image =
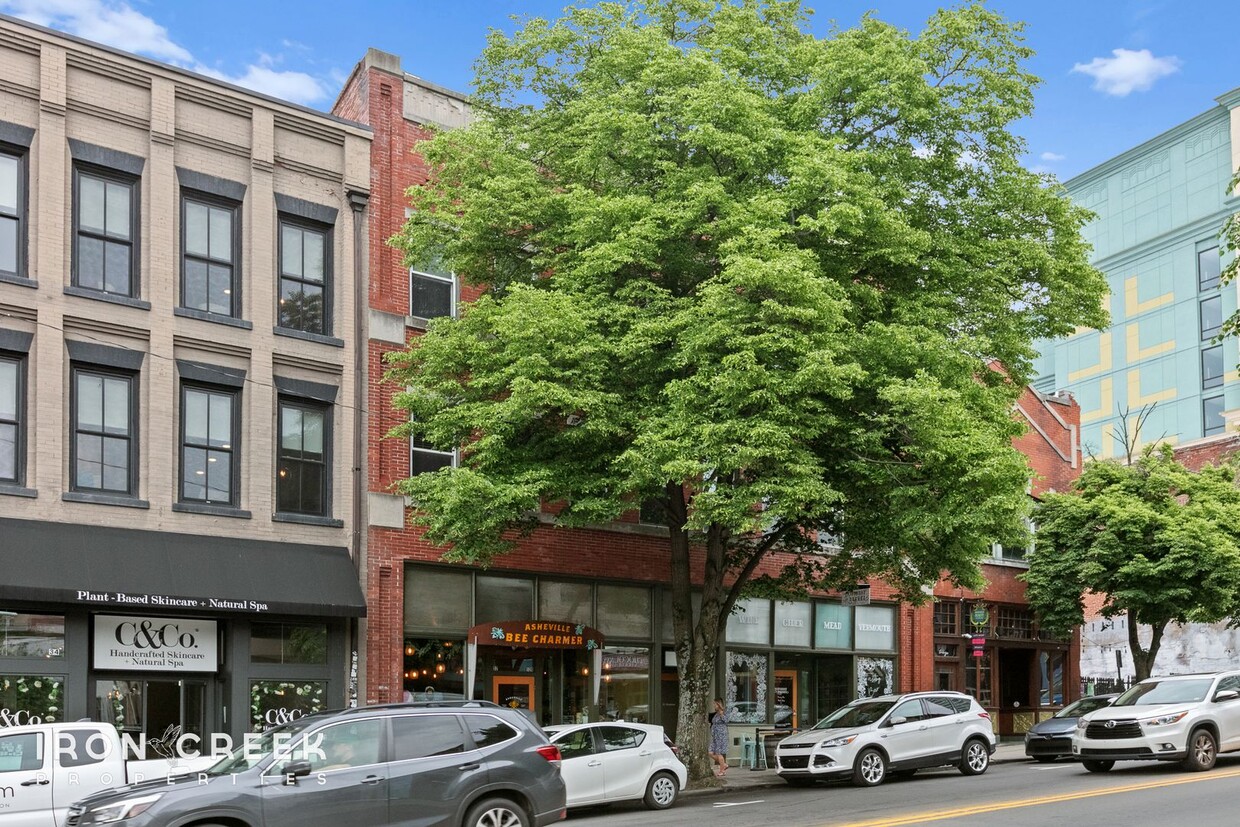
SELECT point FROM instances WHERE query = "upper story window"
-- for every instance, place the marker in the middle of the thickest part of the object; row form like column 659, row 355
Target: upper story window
column 12, row 211
column 305, row 276
column 209, row 434
column 424, row 458
column 12, row 381
column 1212, row 416
column 104, row 447
column 105, row 220
column 432, row 290
column 1211, row 317
column 1212, row 367
column 210, row 255
column 1208, row 269
column 946, row 618
column 303, row 459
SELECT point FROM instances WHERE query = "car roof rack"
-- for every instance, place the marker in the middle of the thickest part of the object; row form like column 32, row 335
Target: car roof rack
column 459, row 703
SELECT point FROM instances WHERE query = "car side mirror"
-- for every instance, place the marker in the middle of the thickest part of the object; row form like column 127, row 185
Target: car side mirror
column 896, row 721
column 294, row 770
column 1225, row 695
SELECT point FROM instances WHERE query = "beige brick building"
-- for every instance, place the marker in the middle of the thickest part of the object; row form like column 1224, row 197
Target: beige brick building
column 180, row 392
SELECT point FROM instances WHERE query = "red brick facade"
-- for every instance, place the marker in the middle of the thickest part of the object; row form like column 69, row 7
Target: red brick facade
column 380, row 95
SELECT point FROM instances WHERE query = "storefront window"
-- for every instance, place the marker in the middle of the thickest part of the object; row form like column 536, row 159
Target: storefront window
column 504, row 598
column 624, row 611
column 570, row 602
column 438, row 599
column 746, row 689
column 833, row 626
column 434, row 670
column 288, row 643
column 794, row 623
column 32, row 636
column 876, row 628
column 834, row 686
column 278, row 702
column 1050, row 666
column 624, row 690
column 750, row 622
column 977, row 679
column 875, row 676
column 31, row 699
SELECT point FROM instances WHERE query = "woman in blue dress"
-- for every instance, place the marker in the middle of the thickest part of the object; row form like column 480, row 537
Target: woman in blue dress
column 719, row 738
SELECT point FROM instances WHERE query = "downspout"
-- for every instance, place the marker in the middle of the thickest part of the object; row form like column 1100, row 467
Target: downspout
column 358, row 200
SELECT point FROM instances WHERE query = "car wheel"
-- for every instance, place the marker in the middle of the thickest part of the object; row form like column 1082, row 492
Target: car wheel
column 975, row 757
column 870, row 769
column 496, row 812
column 661, row 791
column 1202, row 751
column 1098, row 766
column 1044, row 759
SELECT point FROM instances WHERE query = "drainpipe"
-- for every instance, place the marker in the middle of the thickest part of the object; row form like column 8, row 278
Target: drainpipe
column 358, row 199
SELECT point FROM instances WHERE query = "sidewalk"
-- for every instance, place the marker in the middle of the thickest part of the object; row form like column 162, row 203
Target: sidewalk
column 743, row 778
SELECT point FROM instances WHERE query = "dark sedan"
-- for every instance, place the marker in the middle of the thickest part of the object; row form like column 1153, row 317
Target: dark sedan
column 1052, row 738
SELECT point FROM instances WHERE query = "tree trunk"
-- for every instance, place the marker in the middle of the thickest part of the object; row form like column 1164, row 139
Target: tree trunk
column 1143, row 659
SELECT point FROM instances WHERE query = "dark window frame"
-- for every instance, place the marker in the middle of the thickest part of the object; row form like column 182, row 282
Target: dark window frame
column 1206, row 428
column 1213, row 282
column 326, row 477
column 328, row 283
column 1209, row 333
column 19, row 422
column 234, row 451
column 1215, row 381
column 449, row 279
column 22, row 212
column 418, row 446
column 213, row 201
column 132, row 377
column 134, row 183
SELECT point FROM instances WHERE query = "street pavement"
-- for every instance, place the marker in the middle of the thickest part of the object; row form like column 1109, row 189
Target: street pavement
column 744, row 778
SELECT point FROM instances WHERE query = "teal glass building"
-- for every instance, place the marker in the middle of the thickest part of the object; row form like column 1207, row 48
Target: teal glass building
column 1159, row 209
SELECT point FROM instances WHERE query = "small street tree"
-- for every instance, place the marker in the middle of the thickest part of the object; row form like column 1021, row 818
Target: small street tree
column 748, row 276
column 1159, row 542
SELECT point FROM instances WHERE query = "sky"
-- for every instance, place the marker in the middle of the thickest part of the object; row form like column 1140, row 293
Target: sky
column 1115, row 72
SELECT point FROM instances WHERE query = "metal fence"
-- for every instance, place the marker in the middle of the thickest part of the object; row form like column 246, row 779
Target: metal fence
column 1103, row 686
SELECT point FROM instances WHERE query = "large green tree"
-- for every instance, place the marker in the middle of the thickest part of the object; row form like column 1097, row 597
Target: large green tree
column 1158, row 542
column 753, row 277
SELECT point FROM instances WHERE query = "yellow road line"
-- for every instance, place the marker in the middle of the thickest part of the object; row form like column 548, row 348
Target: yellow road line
column 980, row 809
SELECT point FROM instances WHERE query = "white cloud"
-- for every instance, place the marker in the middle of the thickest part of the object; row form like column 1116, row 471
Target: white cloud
column 115, row 23
column 1051, row 156
column 1127, row 71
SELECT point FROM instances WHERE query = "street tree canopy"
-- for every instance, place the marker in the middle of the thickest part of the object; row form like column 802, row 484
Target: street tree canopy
column 752, row 277
column 1157, row 541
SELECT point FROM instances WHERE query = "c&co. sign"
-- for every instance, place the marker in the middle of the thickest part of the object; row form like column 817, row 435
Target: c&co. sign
column 172, row 644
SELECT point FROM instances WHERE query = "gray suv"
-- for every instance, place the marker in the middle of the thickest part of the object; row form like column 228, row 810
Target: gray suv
column 470, row 764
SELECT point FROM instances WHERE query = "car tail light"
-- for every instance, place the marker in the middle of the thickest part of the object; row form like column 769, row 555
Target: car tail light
column 551, row 752
column 985, row 715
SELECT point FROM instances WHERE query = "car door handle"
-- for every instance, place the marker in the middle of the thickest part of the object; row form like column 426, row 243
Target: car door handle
column 371, row 780
column 645, row 754
column 923, row 728
column 595, row 763
column 475, row 765
column 35, row 781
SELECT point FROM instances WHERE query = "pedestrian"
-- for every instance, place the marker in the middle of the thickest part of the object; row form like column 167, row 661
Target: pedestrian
column 719, row 738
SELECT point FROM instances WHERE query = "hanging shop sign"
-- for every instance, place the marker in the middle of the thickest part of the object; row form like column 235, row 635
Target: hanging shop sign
column 536, row 634
column 165, row 644
column 978, row 644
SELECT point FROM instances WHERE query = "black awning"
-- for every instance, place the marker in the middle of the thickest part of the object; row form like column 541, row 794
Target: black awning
column 166, row 572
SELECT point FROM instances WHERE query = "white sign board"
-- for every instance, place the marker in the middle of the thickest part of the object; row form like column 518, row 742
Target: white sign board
column 166, row 644
column 856, row 597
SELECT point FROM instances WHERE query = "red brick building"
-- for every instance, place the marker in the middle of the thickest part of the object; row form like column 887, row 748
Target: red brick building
column 780, row 663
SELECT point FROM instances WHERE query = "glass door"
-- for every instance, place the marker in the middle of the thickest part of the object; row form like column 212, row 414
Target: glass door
column 513, row 691
column 154, row 711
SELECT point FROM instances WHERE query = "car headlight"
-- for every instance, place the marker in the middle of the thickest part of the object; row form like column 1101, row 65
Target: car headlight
column 1164, row 720
column 121, row 810
column 1081, row 723
column 837, row 742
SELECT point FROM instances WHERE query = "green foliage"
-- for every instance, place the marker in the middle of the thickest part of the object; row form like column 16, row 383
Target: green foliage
column 1160, row 542
column 752, row 273
column 1231, row 244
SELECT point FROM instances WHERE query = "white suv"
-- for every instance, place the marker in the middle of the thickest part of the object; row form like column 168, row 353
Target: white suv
column 1186, row 718
column 871, row 738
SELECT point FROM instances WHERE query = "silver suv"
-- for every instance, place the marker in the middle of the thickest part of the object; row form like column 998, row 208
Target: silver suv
column 1185, row 718
column 468, row 764
column 896, row 735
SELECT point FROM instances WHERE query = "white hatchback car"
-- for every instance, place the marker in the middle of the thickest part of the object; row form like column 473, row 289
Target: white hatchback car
column 618, row 761
column 896, row 735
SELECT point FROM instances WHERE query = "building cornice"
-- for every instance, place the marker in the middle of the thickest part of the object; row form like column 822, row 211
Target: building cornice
column 1112, row 165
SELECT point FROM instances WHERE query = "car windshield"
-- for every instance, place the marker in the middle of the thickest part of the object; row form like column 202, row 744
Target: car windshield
column 257, row 747
column 1149, row 693
column 854, row 715
column 1084, row 706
